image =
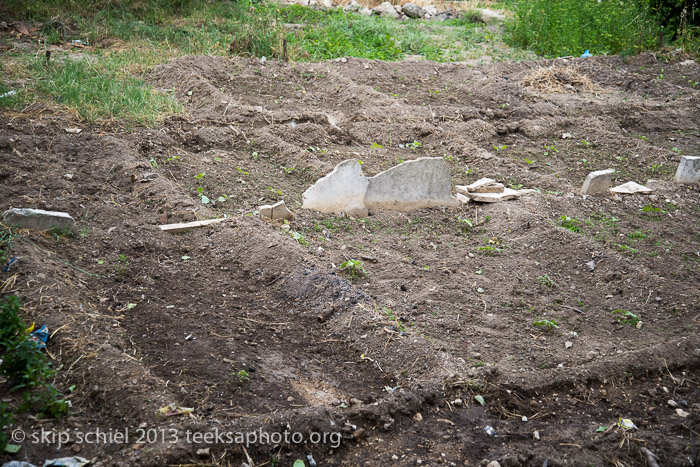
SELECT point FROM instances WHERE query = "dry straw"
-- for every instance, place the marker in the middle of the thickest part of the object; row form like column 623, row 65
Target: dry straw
column 560, row 79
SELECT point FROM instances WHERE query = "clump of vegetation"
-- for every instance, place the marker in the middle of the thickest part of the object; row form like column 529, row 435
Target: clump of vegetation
column 546, row 324
column 242, row 376
column 570, row 223
column 25, row 368
column 353, row 268
column 626, row 317
column 547, row 281
column 562, row 27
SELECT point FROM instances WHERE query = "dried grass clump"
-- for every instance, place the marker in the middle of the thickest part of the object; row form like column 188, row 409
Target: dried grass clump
column 561, row 79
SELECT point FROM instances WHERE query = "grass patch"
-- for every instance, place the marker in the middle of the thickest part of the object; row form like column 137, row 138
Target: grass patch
column 562, row 27
column 97, row 87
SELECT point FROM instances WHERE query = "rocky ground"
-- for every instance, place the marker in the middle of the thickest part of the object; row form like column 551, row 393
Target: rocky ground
column 411, row 359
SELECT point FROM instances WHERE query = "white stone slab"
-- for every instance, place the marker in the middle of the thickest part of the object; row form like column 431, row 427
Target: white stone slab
column 598, row 182
column 342, row 190
column 688, row 170
column 421, row 183
column 630, row 188
column 38, row 219
column 275, row 211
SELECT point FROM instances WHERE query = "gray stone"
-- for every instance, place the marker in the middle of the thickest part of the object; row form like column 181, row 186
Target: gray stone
column 490, row 16
column 326, row 3
column 275, row 211
column 385, row 9
column 365, row 11
column 352, row 6
column 598, row 182
column 413, row 11
column 421, row 183
column 430, row 11
column 38, row 219
column 342, row 190
column 688, row 170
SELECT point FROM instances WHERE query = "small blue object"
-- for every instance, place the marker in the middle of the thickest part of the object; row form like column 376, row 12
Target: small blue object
column 39, row 337
column 586, row 54
column 9, row 263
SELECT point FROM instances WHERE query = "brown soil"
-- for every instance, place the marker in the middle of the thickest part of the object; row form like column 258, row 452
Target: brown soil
column 446, row 310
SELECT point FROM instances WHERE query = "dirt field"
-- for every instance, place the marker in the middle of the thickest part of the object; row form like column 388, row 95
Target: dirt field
column 256, row 327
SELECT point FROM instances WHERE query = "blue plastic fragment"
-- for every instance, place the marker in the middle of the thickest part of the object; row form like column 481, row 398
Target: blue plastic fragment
column 586, row 54
column 39, row 337
column 9, row 263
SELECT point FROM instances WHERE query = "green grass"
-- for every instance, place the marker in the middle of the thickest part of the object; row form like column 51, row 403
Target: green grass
column 97, row 88
column 562, row 27
column 127, row 38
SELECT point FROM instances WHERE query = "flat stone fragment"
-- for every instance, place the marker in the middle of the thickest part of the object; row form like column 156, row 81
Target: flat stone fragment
column 342, row 190
column 630, row 188
column 38, row 219
column 416, row 184
column 496, row 197
column 175, row 228
column 462, row 198
column 484, row 185
column 275, row 211
column 598, row 182
column 688, row 170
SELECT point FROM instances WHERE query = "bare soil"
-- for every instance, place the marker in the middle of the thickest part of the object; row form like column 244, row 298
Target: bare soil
column 255, row 329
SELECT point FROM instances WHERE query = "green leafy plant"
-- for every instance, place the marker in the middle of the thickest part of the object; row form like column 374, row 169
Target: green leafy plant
column 353, row 268
column 547, row 281
column 626, row 317
column 546, row 324
column 299, row 238
column 25, row 367
column 570, row 223
column 242, row 376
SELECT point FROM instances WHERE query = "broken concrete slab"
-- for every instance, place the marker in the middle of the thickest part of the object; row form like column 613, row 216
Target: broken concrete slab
column 275, row 211
column 464, row 199
column 598, row 182
column 505, row 195
column 39, row 219
column 175, row 228
column 341, row 191
column 688, row 170
column 630, row 188
column 484, row 185
column 416, row 184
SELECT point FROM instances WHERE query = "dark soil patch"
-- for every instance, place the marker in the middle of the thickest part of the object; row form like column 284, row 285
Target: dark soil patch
column 256, row 329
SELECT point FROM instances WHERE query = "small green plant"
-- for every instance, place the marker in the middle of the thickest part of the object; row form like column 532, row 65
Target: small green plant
column 501, row 148
column 547, row 281
column 414, row 145
column 242, row 376
column 637, row 235
column 490, row 250
column 465, row 225
column 570, row 223
column 59, row 233
column 353, row 267
column 626, row 317
column 25, row 368
column 299, row 238
column 546, row 324
column 200, row 176
column 376, row 146
column 153, row 163
column 200, row 194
